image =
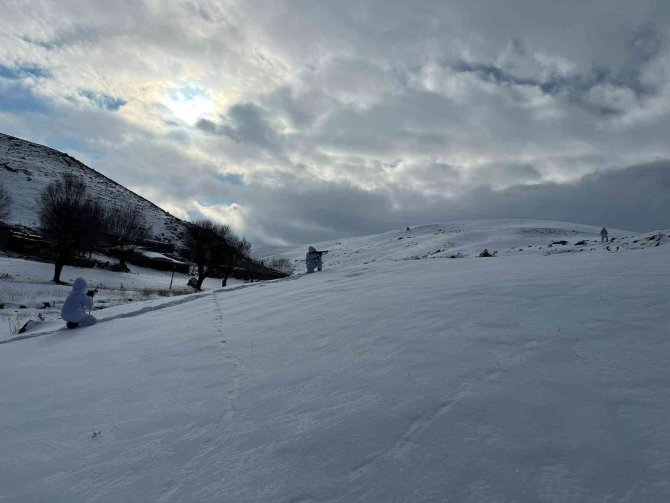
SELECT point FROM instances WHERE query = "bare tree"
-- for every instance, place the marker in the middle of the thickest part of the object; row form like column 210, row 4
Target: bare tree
column 94, row 223
column 282, row 265
column 125, row 226
column 5, row 203
column 244, row 247
column 238, row 248
column 65, row 213
column 208, row 247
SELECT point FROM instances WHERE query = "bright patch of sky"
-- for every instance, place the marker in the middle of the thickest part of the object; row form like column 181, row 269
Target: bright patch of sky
column 188, row 103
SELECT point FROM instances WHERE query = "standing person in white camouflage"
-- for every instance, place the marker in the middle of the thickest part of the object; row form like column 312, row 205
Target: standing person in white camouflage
column 313, row 259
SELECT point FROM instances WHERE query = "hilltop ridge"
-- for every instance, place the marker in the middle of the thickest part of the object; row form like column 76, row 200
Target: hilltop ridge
column 460, row 239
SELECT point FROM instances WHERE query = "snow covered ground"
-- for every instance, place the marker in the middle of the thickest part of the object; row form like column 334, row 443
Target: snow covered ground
column 26, row 292
column 453, row 239
column 525, row 377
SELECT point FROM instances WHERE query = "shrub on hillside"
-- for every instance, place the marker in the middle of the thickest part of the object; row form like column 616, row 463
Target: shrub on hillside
column 282, row 265
column 5, row 203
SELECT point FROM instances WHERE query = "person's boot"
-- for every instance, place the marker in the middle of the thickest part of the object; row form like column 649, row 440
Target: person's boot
column 71, row 324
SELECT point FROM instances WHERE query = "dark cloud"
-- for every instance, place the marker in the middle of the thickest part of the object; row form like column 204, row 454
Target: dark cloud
column 574, row 88
column 22, row 72
column 250, row 126
column 298, row 109
column 245, row 123
column 636, row 198
column 410, row 122
column 645, row 41
column 103, row 101
column 503, row 174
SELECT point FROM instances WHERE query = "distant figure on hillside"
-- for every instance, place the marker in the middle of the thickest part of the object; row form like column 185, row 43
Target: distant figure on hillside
column 77, row 307
column 603, row 235
column 313, row 259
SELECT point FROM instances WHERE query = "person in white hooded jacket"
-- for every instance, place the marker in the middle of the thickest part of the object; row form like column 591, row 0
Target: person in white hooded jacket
column 313, row 260
column 77, row 307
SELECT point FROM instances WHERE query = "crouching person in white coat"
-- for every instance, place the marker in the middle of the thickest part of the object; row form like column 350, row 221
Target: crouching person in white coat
column 77, row 306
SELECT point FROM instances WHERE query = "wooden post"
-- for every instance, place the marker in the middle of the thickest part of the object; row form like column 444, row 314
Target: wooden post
column 172, row 278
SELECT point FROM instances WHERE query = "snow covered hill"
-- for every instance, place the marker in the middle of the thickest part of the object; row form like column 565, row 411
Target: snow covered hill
column 525, row 377
column 26, row 168
column 457, row 240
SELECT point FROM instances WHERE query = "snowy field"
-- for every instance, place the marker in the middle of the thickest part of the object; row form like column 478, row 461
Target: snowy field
column 528, row 377
column 26, row 292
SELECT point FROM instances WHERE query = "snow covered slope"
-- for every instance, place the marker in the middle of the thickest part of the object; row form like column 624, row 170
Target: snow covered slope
column 454, row 239
column 526, row 377
column 26, row 292
column 26, row 168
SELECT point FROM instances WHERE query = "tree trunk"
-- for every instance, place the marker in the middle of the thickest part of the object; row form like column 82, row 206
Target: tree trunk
column 202, row 274
column 58, row 268
column 227, row 272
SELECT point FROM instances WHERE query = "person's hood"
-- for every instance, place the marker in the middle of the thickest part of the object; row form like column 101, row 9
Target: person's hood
column 79, row 284
column 312, row 249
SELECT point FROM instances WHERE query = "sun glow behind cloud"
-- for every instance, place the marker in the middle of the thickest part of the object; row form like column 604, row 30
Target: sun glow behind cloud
column 188, row 102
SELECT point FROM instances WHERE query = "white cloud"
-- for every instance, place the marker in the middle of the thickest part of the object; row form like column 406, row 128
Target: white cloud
column 417, row 103
column 232, row 214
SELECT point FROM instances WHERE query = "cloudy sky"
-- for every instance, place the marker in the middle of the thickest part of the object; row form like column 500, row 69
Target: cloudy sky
column 298, row 121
